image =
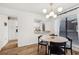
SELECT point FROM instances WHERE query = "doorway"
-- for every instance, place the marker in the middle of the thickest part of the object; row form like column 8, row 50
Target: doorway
column 12, row 28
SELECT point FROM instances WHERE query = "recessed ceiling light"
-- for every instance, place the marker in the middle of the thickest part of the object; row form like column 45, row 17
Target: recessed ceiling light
column 60, row 9
column 44, row 10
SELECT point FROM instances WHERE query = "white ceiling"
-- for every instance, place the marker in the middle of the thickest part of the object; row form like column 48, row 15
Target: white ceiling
column 37, row 7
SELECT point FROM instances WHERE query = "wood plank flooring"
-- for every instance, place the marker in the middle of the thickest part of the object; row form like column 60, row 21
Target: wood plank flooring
column 11, row 44
column 28, row 50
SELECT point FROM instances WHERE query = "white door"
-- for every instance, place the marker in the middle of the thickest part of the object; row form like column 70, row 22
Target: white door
column 12, row 29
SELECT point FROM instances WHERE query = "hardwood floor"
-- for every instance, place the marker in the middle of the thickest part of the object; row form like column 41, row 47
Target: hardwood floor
column 27, row 50
column 11, row 44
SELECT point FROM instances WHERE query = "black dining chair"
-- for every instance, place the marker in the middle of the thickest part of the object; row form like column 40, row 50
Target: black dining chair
column 55, row 48
column 69, row 45
column 42, row 43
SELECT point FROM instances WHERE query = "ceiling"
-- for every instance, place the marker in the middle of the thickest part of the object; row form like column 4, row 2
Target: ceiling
column 37, row 7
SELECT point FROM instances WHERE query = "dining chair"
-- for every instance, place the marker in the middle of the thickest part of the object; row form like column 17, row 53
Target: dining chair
column 55, row 48
column 69, row 45
column 42, row 43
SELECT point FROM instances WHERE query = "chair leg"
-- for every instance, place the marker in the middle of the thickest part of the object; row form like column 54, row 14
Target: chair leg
column 48, row 50
column 65, row 49
column 45, row 49
column 41, row 46
column 64, row 52
column 38, row 49
column 71, row 51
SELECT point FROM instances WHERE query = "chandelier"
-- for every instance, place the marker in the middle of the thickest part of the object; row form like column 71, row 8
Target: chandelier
column 52, row 12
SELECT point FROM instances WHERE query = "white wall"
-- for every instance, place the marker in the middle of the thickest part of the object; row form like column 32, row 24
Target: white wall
column 57, row 26
column 26, row 33
column 49, row 25
column 25, row 22
column 3, row 31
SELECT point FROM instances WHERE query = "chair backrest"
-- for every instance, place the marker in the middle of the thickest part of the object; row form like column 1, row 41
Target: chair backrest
column 70, row 41
column 69, row 38
column 39, row 37
column 58, row 44
column 58, row 47
column 52, row 35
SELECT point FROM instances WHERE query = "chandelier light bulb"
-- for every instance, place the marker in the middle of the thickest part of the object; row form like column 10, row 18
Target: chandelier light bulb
column 44, row 10
column 60, row 9
column 47, row 16
column 55, row 16
column 51, row 13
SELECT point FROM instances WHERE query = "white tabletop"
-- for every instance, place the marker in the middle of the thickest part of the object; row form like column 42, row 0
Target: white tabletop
column 58, row 39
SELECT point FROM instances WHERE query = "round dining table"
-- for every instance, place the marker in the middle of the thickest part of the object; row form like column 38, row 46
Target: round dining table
column 55, row 39
column 49, row 38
